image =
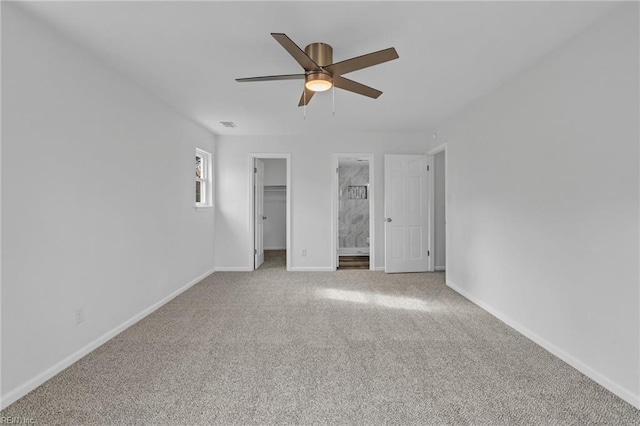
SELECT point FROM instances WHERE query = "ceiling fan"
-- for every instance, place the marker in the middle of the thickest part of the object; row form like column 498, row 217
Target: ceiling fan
column 320, row 73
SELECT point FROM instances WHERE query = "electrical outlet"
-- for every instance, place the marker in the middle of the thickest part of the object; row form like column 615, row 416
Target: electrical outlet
column 78, row 315
column 304, row 252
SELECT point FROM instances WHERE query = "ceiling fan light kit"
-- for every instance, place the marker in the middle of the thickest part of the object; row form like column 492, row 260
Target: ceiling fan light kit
column 321, row 73
column 318, row 82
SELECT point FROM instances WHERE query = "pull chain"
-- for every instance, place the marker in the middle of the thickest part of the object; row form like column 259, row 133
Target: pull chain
column 333, row 95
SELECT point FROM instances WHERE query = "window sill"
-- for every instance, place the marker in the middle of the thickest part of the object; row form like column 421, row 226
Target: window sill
column 203, row 208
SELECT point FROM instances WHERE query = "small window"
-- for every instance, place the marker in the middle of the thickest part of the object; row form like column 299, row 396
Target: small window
column 204, row 197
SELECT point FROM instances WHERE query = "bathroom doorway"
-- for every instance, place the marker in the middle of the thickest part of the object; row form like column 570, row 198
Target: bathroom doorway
column 353, row 212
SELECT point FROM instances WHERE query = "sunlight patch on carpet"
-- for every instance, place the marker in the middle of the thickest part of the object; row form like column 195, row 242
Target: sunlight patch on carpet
column 395, row 302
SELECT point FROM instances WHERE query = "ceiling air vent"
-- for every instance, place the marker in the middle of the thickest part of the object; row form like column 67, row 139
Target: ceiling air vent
column 228, row 124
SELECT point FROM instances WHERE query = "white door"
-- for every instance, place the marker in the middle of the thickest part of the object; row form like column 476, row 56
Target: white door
column 406, row 213
column 258, row 197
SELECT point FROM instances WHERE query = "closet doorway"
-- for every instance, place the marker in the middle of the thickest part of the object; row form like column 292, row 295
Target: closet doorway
column 353, row 212
column 270, row 203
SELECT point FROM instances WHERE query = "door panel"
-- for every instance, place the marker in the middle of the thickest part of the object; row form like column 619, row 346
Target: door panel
column 415, row 243
column 397, row 238
column 258, row 194
column 406, row 214
column 397, row 194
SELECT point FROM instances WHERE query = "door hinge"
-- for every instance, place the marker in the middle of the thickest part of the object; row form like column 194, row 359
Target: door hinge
column 255, row 170
column 255, row 251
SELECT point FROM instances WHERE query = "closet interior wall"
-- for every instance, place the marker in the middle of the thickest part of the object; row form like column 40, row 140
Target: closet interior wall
column 275, row 203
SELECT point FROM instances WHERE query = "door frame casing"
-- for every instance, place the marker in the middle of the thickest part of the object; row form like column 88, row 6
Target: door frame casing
column 336, row 157
column 258, row 212
column 251, row 222
column 432, row 222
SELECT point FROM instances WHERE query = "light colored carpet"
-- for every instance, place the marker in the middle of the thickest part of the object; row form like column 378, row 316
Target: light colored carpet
column 346, row 347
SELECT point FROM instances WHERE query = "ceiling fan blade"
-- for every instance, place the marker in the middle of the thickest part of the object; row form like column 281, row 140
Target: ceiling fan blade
column 305, row 97
column 273, row 78
column 355, row 87
column 363, row 61
column 298, row 54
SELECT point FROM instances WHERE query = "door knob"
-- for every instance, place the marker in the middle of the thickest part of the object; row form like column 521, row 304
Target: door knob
column 388, row 219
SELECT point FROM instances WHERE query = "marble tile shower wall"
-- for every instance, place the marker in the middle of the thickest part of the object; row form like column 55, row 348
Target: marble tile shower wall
column 353, row 226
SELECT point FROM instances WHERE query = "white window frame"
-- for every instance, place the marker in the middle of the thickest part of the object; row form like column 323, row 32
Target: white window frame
column 206, row 180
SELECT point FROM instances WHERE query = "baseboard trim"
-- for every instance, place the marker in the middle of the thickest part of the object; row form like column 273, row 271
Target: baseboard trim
column 20, row 391
column 311, row 269
column 233, row 269
column 610, row 385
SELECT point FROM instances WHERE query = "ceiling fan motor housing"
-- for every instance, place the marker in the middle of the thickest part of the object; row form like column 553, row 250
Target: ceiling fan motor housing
column 322, row 54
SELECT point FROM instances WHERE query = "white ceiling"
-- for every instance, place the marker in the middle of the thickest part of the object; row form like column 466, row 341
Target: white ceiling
column 189, row 53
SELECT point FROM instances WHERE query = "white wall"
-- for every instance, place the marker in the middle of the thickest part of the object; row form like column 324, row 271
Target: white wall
column 543, row 191
column 312, row 174
column 439, row 210
column 275, row 171
column 97, row 202
column 275, row 204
